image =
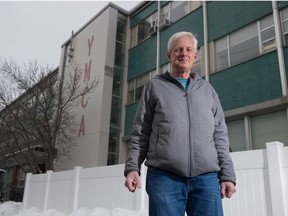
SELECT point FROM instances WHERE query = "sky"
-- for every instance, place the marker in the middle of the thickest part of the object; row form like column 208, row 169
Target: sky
column 15, row 209
column 32, row 30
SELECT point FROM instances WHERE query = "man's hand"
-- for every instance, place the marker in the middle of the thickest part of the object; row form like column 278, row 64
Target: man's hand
column 133, row 181
column 227, row 189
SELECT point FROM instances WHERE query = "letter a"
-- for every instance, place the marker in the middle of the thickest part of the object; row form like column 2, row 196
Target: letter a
column 82, row 127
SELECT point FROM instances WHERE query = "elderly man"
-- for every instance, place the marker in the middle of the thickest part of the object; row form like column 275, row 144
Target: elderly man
column 180, row 130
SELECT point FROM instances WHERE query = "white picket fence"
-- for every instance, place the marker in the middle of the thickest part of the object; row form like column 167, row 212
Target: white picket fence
column 262, row 186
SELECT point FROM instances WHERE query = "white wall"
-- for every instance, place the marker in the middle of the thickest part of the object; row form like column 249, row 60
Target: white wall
column 93, row 46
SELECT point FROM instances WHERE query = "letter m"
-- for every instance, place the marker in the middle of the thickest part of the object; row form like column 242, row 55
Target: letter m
column 87, row 71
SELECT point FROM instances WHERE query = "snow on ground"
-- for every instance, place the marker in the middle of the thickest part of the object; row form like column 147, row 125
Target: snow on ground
column 15, row 209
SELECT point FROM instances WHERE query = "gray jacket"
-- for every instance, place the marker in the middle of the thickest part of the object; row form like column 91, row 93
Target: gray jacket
column 180, row 131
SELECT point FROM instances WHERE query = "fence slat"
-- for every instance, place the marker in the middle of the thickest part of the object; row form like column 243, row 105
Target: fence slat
column 276, row 178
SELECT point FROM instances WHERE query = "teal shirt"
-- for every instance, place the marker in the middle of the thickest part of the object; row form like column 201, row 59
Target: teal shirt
column 184, row 82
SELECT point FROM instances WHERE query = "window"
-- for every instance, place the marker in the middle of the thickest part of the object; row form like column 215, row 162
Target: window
column 121, row 31
column 236, row 133
column 221, row 49
column 131, row 92
column 193, row 5
column 164, row 68
column 171, row 12
column 197, row 64
column 284, row 22
column 134, row 36
column 262, row 128
column 140, row 82
column 135, row 87
column 268, row 128
column 119, row 54
column 178, row 10
column 143, row 28
column 267, row 34
column 113, row 149
column 165, row 12
column 245, row 43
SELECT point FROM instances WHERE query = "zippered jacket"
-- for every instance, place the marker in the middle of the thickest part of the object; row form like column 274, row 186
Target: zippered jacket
column 180, row 131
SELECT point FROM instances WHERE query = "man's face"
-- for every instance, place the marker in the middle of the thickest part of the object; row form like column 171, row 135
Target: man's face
column 182, row 55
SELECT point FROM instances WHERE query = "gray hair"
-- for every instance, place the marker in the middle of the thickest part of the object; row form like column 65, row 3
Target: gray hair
column 178, row 35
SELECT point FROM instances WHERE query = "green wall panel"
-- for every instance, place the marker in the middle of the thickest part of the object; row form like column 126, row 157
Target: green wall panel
column 129, row 118
column 248, row 83
column 143, row 14
column 142, row 58
column 282, row 4
column 225, row 17
column 193, row 22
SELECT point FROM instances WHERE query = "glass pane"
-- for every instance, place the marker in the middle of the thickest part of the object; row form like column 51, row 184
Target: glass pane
column 113, row 148
column 268, row 33
column 286, row 39
column 140, row 82
column 194, row 5
column 269, row 46
column 221, row 54
column 121, row 28
column 197, row 65
column 130, row 96
column 244, row 45
column 115, row 111
column 164, row 68
column 284, row 13
column 266, row 22
column 285, row 26
column 236, row 133
column 119, row 54
column 134, row 36
column 268, row 128
column 153, row 73
column 143, row 30
column 178, row 10
column 165, row 12
column 117, row 81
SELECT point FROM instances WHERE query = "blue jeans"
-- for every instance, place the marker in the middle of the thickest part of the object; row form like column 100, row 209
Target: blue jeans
column 172, row 195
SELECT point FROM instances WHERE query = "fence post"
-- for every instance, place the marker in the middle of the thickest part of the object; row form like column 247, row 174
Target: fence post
column 48, row 173
column 26, row 190
column 275, row 171
column 143, row 195
column 75, row 188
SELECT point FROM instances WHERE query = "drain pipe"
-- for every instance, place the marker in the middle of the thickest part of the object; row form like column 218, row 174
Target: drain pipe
column 279, row 48
column 206, row 56
column 158, row 40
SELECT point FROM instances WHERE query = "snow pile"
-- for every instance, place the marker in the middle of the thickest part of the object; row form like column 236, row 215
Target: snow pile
column 15, row 209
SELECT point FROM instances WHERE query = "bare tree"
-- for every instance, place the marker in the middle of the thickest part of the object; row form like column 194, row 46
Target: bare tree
column 37, row 111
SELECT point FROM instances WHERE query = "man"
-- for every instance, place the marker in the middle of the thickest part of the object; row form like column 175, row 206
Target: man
column 180, row 130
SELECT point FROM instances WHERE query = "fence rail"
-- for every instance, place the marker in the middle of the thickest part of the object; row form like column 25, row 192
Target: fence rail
column 262, row 177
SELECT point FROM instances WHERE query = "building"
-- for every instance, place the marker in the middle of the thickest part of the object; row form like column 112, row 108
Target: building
column 242, row 52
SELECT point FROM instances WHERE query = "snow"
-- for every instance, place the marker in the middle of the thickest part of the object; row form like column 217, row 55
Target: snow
column 15, row 209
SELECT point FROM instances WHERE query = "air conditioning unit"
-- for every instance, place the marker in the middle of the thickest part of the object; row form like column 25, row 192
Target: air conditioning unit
column 152, row 30
column 164, row 23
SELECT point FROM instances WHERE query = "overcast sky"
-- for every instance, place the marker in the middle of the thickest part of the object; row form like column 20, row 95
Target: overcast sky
column 36, row 29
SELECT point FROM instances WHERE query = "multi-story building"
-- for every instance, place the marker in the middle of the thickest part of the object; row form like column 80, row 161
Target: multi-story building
column 242, row 52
